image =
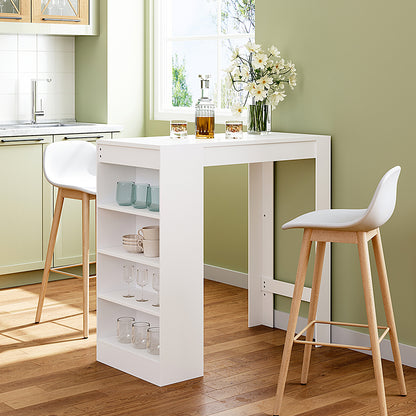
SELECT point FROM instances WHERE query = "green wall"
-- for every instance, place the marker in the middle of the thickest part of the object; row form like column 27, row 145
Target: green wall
column 355, row 61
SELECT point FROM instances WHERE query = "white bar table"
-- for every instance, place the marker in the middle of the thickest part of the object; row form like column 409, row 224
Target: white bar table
column 177, row 167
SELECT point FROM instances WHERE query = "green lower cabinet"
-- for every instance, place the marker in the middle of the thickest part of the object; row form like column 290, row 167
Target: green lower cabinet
column 22, row 199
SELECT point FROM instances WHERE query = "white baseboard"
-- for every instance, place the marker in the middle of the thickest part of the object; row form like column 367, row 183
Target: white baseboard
column 229, row 277
column 348, row 336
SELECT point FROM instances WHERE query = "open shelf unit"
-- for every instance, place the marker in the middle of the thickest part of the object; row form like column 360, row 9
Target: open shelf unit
column 180, row 315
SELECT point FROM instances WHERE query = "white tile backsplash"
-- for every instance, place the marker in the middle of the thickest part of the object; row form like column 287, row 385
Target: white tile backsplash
column 27, row 57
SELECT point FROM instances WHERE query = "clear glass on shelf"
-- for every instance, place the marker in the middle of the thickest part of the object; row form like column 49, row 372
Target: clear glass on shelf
column 128, row 277
column 142, row 278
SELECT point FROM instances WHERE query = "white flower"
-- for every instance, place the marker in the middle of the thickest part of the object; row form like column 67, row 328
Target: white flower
column 251, row 86
column 290, row 65
column 228, row 83
column 252, row 47
column 274, row 51
column 235, row 54
column 259, row 93
column 244, row 73
column 277, row 66
column 281, row 85
column 292, row 81
column 276, row 97
column 237, row 110
column 259, row 61
column 266, row 81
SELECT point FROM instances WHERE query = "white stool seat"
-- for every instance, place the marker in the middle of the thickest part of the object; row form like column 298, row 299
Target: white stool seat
column 378, row 212
column 333, row 219
column 71, row 165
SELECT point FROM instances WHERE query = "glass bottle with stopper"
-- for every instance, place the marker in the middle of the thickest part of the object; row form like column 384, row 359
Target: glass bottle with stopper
column 204, row 112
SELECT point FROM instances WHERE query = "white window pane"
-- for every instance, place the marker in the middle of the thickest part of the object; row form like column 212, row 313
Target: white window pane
column 196, row 57
column 237, row 16
column 193, row 17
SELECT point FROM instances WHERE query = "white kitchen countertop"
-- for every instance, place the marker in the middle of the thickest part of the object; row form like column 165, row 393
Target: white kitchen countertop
column 7, row 130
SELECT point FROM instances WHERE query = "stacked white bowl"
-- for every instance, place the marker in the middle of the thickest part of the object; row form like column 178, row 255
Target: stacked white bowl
column 130, row 243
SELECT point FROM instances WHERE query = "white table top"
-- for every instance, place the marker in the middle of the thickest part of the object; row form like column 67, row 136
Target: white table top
column 158, row 142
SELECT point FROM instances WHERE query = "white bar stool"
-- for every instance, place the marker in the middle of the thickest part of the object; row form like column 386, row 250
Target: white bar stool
column 356, row 226
column 71, row 167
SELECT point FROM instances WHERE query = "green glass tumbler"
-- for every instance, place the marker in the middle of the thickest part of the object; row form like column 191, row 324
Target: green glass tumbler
column 154, row 199
column 126, row 193
column 141, row 191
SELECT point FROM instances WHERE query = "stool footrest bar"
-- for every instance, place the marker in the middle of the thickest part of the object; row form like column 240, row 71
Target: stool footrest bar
column 330, row 344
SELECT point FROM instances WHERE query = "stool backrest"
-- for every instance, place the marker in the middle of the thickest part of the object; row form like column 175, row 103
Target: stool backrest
column 70, row 159
column 382, row 205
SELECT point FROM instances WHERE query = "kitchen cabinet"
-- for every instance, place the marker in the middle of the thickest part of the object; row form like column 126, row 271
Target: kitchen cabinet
column 60, row 11
column 14, row 10
column 68, row 242
column 52, row 17
column 24, row 192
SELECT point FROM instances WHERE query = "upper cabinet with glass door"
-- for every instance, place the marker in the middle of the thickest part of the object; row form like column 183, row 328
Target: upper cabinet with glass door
column 60, row 11
column 14, row 10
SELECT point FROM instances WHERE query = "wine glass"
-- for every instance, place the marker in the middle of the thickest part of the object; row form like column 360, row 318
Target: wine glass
column 61, row 5
column 156, row 287
column 128, row 271
column 142, row 278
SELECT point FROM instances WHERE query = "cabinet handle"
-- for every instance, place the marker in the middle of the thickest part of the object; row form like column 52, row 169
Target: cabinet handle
column 21, row 140
column 83, row 137
column 57, row 19
column 11, row 17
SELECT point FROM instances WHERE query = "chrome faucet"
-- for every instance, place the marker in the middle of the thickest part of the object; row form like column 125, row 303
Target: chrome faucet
column 35, row 112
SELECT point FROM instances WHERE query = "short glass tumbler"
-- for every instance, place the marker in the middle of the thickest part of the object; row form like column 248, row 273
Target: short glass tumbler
column 125, row 194
column 140, row 334
column 154, row 198
column 178, row 129
column 124, row 329
column 153, row 342
column 140, row 200
column 233, row 129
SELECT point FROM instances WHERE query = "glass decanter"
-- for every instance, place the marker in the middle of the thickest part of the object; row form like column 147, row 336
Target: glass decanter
column 204, row 112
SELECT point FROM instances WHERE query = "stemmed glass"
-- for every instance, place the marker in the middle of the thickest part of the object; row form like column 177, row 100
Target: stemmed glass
column 156, row 287
column 61, row 7
column 142, row 278
column 128, row 277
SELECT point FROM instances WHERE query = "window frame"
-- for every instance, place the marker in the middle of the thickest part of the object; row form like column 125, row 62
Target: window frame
column 160, row 91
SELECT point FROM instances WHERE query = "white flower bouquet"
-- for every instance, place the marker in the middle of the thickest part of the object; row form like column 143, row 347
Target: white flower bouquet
column 260, row 75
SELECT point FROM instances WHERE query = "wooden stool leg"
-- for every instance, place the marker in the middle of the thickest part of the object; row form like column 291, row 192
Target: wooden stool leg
column 372, row 320
column 49, row 253
column 388, row 308
column 85, row 262
column 293, row 317
column 313, row 306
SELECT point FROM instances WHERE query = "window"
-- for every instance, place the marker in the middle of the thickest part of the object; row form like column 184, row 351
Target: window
column 195, row 37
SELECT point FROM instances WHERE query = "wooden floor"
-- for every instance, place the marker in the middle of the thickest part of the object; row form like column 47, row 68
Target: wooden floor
column 48, row 370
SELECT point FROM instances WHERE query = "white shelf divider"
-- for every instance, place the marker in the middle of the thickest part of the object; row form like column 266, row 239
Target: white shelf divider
column 146, row 307
column 128, row 210
column 120, row 253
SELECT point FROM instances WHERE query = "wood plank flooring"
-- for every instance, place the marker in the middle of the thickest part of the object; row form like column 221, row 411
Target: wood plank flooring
column 49, row 370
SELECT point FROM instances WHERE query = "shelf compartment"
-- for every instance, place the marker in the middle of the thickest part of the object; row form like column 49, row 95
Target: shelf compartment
column 125, row 357
column 128, row 210
column 120, row 253
column 146, row 307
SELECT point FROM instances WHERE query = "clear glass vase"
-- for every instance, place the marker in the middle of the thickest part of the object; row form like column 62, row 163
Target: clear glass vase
column 259, row 118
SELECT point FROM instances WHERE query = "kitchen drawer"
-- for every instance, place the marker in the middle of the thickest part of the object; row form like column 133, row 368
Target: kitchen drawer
column 89, row 137
column 24, row 140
